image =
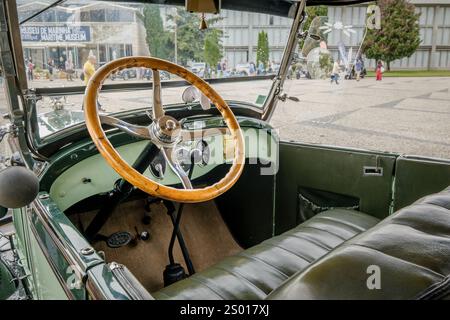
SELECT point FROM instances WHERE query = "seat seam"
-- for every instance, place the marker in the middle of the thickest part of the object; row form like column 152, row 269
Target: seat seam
column 360, row 229
column 397, row 258
column 240, row 276
column 321, row 245
column 418, row 230
column 427, row 204
column 355, row 213
column 205, row 283
column 334, row 234
column 290, row 251
column 262, row 261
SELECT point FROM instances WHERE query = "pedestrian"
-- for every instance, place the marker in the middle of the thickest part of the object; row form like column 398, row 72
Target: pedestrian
column 30, row 68
column 88, row 71
column 252, row 69
column 261, row 68
column 379, row 71
column 89, row 68
column 335, row 72
column 219, row 69
column 358, row 69
column 50, row 66
column 69, row 70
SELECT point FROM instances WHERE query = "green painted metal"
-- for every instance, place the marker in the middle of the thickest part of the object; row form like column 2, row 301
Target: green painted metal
column 7, row 286
column 106, row 283
column 331, row 169
column 42, row 281
column 416, row 177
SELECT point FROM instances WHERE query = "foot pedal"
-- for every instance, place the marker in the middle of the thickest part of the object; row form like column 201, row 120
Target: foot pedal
column 119, row 239
column 173, row 273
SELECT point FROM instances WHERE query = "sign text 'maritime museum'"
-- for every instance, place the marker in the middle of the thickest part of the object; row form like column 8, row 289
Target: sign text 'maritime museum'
column 56, row 33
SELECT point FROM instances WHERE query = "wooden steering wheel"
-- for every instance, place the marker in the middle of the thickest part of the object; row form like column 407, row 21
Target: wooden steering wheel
column 164, row 131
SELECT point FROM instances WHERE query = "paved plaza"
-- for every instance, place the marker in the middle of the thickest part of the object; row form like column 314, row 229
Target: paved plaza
column 404, row 115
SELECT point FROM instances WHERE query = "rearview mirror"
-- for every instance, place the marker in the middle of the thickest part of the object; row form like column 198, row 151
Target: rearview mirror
column 19, row 186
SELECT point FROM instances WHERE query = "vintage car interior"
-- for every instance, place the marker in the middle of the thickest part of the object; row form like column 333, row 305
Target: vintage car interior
column 178, row 203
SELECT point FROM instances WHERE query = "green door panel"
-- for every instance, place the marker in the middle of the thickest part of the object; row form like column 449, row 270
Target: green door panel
column 56, row 254
column 416, row 177
column 331, row 169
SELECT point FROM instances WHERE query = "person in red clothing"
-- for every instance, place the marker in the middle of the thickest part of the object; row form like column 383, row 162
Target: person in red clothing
column 379, row 71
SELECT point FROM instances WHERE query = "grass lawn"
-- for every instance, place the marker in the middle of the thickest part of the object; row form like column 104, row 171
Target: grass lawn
column 413, row 73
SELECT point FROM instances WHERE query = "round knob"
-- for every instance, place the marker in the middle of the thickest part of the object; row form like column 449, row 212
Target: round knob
column 145, row 235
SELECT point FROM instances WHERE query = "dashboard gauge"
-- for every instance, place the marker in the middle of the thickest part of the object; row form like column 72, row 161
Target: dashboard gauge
column 205, row 151
column 183, row 158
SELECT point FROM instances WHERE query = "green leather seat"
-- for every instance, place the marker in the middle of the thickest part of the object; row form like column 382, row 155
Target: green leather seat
column 410, row 249
column 257, row 271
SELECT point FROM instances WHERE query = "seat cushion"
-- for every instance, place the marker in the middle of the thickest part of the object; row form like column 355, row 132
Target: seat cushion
column 405, row 256
column 257, row 271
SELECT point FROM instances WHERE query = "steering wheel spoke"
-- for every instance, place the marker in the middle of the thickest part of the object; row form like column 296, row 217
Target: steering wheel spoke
column 157, row 109
column 171, row 159
column 131, row 129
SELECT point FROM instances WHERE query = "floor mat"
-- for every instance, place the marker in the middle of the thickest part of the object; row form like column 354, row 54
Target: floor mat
column 205, row 233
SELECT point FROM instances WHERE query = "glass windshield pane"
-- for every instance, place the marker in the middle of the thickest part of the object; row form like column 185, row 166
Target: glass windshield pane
column 63, row 46
column 350, row 98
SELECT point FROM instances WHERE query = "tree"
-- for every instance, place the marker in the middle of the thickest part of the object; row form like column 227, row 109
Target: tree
column 213, row 47
column 189, row 37
column 262, row 52
column 399, row 34
column 157, row 38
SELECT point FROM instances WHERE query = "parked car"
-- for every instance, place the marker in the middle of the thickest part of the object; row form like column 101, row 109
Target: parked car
column 243, row 69
column 126, row 74
column 199, row 69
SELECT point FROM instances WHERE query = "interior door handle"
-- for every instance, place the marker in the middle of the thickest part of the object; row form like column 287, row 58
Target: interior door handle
column 372, row 171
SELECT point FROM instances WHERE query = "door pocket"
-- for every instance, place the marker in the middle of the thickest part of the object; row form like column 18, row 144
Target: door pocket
column 313, row 201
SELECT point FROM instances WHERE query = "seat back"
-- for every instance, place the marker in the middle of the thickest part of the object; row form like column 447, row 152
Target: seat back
column 416, row 177
column 405, row 256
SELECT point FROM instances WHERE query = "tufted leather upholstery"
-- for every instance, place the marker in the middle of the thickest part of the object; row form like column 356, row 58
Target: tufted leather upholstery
column 411, row 249
column 255, row 272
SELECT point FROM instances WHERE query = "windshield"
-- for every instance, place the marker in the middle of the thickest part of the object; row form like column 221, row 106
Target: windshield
column 63, row 45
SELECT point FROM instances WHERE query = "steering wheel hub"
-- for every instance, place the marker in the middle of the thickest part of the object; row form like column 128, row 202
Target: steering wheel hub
column 167, row 129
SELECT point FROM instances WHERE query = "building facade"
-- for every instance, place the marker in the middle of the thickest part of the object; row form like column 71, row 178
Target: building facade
column 75, row 31
column 240, row 34
column 434, row 50
column 241, row 29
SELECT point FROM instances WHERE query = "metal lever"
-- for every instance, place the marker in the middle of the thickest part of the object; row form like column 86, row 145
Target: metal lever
column 284, row 97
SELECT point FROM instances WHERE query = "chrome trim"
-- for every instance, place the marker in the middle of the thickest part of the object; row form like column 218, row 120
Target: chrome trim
column 277, row 86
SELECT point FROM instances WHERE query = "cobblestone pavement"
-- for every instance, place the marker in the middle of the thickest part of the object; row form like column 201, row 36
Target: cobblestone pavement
column 405, row 115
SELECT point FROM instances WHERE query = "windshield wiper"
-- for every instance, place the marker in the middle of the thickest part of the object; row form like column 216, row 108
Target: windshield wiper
column 54, row 4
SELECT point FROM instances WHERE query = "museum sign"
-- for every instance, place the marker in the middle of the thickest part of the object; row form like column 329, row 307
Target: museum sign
column 56, row 33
